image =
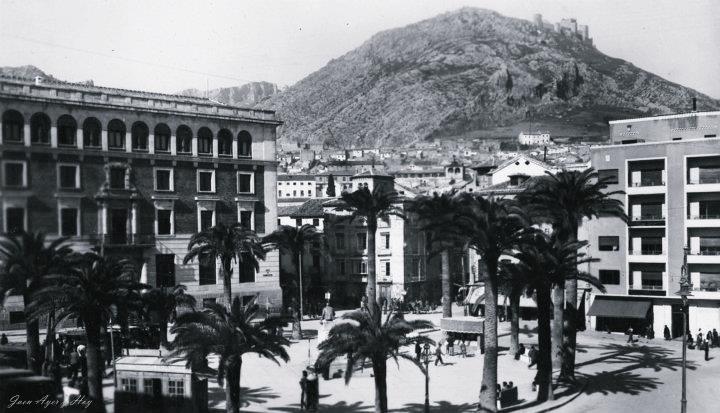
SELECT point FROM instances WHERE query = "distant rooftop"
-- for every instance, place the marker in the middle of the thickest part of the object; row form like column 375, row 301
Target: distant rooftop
column 312, row 208
column 295, row 177
column 88, row 93
column 663, row 117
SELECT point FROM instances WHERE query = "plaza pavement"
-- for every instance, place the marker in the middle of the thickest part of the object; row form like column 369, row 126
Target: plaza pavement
column 616, row 376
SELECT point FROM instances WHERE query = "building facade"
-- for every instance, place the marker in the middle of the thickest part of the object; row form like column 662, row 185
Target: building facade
column 672, row 199
column 138, row 173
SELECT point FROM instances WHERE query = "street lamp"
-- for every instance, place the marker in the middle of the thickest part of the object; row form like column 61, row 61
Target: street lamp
column 426, row 360
column 684, row 293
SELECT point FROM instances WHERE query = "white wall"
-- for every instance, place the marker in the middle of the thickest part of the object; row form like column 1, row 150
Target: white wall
column 521, row 166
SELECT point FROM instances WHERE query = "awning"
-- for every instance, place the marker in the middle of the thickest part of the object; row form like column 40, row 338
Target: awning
column 612, row 307
column 473, row 325
column 475, row 294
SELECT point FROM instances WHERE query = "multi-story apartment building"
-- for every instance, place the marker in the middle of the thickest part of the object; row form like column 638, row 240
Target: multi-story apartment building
column 138, row 173
column 297, row 186
column 669, row 170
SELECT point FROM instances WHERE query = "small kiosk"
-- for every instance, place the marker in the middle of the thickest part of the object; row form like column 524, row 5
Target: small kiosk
column 465, row 328
column 147, row 382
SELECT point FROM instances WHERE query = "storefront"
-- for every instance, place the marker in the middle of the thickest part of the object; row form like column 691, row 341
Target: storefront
column 618, row 314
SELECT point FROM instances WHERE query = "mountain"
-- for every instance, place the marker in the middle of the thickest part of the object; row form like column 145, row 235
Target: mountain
column 28, row 71
column 471, row 73
column 248, row 94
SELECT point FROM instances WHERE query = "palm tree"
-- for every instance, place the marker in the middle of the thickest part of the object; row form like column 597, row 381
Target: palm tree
column 381, row 203
column 359, row 338
column 565, row 199
column 513, row 286
column 27, row 259
column 492, row 228
column 544, row 261
column 227, row 244
column 91, row 292
column 434, row 213
column 294, row 241
column 164, row 302
column 229, row 333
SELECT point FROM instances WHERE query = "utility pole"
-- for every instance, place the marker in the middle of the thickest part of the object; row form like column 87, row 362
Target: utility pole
column 684, row 293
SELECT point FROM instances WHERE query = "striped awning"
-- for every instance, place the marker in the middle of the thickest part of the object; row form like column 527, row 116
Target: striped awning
column 617, row 308
column 473, row 325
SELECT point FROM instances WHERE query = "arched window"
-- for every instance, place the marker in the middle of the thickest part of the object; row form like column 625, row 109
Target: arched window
column 40, row 128
column 162, row 138
column 244, row 144
column 116, row 134
column 92, row 132
column 139, row 133
column 13, row 125
column 183, row 136
column 225, row 139
column 66, row 130
column 205, row 138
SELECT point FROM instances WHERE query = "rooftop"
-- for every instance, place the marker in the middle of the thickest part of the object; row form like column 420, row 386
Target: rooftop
column 312, row 208
column 20, row 87
column 295, row 177
column 665, row 117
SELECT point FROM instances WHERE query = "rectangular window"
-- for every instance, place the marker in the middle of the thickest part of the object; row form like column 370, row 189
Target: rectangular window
column 68, row 177
column 343, row 269
column 361, row 240
column 206, row 219
column 14, row 220
column 14, row 174
column 609, row 277
column 206, row 181
column 387, row 268
column 362, row 267
column 246, row 271
column 246, row 219
column 117, row 178
column 129, row 385
column 164, row 180
column 165, row 270
column 116, row 139
column 68, row 222
column 340, row 240
column 316, row 222
column 609, row 175
column 245, row 183
column 298, row 222
column 204, row 145
column 164, row 222
column 176, row 387
column 386, row 240
column 207, row 271
column 608, row 243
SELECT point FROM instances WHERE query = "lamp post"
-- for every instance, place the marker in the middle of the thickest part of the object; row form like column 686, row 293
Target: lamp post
column 684, row 293
column 426, row 361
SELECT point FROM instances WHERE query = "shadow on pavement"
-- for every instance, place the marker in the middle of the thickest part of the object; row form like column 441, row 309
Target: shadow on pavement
column 441, row 406
column 619, row 382
column 638, row 357
column 339, row 407
column 248, row 396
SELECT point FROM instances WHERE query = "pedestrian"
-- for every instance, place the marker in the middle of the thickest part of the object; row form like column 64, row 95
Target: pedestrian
column 463, row 349
column 716, row 338
column 313, row 392
column 520, row 351
column 630, row 334
column 699, row 336
column 666, row 333
column 707, row 350
column 418, row 350
column 532, row 354
column 328, row 313
column 438, row 356
column 82, row 361
column 709, row 337
column 303, row 390
column 451, row 346
column 3, row 339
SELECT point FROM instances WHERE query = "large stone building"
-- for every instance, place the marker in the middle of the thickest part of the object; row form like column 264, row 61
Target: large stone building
column 138, row 173
column 669, row 169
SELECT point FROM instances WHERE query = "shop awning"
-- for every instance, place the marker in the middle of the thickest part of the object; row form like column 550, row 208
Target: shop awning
column 473, row 325
column 474, row 295
column 616, row 308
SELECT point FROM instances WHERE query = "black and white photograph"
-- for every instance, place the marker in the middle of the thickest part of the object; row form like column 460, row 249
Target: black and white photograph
column 355, row 206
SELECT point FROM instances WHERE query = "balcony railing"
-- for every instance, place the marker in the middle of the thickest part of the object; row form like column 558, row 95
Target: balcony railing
column 647, row 251
column 706, row 251
column 123, row 239
column 648, row 290
column 649, row 181
column 704, row 216
column 648, row 217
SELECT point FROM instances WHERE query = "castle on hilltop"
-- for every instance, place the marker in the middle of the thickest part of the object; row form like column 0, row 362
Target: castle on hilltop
column 568, row 27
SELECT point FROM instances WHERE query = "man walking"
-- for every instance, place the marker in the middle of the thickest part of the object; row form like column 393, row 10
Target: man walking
column 438, row 356
column 532, row 354
column 303, row 390
column 418, row 350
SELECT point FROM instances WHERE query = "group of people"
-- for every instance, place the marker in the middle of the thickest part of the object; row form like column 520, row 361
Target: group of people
column 449, row 348
column 309, row 391
column 704, row 341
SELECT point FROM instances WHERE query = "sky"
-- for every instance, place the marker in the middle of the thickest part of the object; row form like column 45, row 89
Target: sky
column 167, row 46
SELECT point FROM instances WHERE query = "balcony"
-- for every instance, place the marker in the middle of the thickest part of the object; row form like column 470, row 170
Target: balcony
column 703, row 174
column 704, row 250
column 123, row 240
column 653, row 290
column 646, row 182
column 650, row 219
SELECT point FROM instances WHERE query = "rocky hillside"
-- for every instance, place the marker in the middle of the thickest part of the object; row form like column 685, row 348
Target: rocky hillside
column 248, row 94
column 28, row 71
column 474, row 73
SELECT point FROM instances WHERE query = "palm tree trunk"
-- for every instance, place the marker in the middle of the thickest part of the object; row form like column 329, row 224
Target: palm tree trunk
column 488, row 395
column 371, row 289
column 380, row 373
column 558, row 300
column 227, row 280
column 544, row 362
column 447, row 303
column 297, row 326
column 32, row 334
column 567, row 370
column 514, row 323
column 49, row 343
column 94, row 364
column 232, row 386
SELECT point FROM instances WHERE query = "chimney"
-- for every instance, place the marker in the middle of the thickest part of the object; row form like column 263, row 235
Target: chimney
column 694, row 104
column 38, row 80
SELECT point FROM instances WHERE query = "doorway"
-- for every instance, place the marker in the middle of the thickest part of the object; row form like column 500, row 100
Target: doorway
column 118, row 226
column 677, row 321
